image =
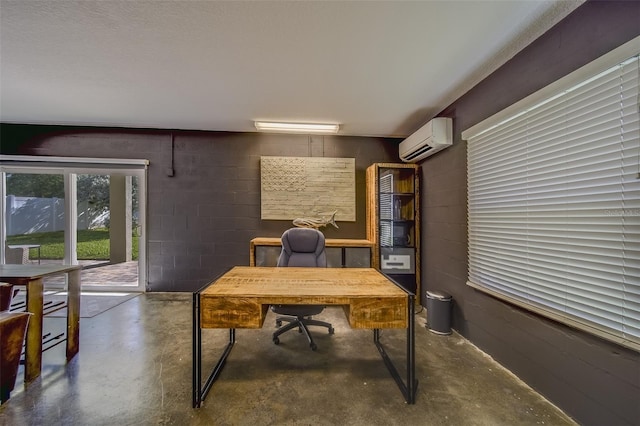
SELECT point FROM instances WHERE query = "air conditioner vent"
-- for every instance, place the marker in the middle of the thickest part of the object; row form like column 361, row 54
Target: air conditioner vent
column 418, row 153
column 434, row 136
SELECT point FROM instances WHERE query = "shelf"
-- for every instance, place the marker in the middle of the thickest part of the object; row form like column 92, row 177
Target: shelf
column 393, row 221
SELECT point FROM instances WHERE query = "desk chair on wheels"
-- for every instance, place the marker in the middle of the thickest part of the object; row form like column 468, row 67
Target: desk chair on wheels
column 301, row 247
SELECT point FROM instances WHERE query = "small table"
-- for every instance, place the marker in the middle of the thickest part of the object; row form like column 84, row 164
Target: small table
column 241, row 297
column 342, row 243
column 31, row 276
column 29, row 247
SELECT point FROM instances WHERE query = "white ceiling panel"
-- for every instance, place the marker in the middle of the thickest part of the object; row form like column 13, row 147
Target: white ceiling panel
column 379, row 68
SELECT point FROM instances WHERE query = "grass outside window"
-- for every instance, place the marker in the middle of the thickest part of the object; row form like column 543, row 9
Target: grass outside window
column 93, row 244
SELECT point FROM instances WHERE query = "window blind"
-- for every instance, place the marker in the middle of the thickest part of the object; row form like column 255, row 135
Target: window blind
column 386, row 210
column 554, row 206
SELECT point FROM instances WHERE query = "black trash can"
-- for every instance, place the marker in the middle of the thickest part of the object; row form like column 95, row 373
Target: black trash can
column 439, row 312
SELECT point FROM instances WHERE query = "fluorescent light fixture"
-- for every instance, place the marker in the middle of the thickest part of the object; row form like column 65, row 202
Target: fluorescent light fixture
column 270, row 126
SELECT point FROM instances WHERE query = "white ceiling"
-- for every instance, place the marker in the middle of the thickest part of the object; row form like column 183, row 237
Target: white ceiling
column 379, row 68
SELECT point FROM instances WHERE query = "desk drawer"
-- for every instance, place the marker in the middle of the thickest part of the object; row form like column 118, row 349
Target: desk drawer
column 218, row 312
column 378, row 312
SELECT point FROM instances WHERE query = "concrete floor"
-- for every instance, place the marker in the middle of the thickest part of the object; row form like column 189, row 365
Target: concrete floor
column 134, row 368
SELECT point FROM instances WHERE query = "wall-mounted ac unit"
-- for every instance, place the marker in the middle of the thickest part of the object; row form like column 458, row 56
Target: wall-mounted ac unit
column 434, row 136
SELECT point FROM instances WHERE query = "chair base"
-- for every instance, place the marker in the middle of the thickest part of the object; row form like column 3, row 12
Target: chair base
column 301, row 323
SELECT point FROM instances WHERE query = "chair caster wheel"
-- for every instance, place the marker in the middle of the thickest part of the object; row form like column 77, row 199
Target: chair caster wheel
column 278, row 323
column 331, row 330
column 276, row 340
column 313, row 346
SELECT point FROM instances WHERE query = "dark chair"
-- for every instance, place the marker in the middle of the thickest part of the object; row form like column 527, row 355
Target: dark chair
column 13, row 328
column 6, row 296
column 301, row 247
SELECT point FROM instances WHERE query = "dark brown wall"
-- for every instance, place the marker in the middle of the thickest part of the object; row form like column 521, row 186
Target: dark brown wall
column 202, row 219
column 596, row 382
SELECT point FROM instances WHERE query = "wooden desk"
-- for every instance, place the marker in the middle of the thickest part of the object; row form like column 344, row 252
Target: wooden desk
column 31, row 277
column 241, row 297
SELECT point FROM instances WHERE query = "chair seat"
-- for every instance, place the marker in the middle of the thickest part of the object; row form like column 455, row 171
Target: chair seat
column 297, row 310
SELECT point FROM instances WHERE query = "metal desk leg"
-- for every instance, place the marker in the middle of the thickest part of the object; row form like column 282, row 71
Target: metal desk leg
column 200, row 393
column 412, row 382
column 197, row 354
column 409, row 389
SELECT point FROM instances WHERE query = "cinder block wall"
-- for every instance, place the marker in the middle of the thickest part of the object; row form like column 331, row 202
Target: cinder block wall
column 202, row 218
column 595, row 381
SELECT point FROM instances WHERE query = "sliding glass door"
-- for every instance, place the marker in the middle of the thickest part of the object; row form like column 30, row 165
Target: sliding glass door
column 93, row 216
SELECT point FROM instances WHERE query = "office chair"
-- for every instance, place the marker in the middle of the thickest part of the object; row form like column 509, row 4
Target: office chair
column 301, row 247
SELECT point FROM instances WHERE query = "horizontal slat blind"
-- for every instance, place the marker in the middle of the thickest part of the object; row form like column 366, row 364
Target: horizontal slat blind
column 386, row 210
column 554, row 206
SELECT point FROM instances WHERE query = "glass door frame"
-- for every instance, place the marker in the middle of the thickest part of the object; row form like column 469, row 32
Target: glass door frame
column 70, row 168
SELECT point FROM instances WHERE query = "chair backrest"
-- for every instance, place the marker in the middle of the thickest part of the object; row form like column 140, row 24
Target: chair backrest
column 6, row 295
column 16, row 255
column 302, row 247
